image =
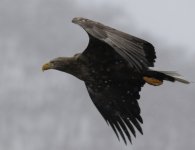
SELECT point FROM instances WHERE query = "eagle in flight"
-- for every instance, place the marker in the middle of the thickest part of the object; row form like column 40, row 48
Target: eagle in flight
column 114, row 67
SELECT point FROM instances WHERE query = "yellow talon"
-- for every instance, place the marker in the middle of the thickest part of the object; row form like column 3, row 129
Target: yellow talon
column 152, row 81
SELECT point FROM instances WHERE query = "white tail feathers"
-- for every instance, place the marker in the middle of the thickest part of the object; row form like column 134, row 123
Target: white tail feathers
column 180, row 79
column 173, row 74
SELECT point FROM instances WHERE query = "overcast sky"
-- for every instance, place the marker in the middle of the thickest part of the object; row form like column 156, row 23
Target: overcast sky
column 52, row 110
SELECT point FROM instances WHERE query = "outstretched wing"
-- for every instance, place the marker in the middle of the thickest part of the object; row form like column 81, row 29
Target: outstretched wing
column 118, row 105
column 116, row 61
column 138, row 53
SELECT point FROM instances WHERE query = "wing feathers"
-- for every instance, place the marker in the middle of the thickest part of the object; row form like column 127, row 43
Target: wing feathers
column 130, row 126
column 122, row 115
column 114, row 129
column 123, row 126
column 137, row 125
column 137, row 52
column 120, row 131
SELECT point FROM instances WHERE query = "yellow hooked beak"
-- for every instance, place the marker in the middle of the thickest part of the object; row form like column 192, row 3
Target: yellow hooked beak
column 47, row 66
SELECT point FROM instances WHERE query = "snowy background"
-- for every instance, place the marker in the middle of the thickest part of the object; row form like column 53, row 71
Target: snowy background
column 52, row 110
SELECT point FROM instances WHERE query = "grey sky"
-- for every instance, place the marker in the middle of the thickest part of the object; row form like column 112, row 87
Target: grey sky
column 52, row 110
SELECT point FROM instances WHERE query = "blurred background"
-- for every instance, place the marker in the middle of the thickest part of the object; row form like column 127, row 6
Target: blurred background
column 52, row 110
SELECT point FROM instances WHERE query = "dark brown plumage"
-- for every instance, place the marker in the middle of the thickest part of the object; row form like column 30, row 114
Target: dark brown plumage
column 114, row 67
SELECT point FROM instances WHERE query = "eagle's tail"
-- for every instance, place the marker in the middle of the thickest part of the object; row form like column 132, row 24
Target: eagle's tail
column 156, row 77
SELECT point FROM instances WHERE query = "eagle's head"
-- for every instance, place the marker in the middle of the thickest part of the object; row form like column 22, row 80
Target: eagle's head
column 66, row 64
